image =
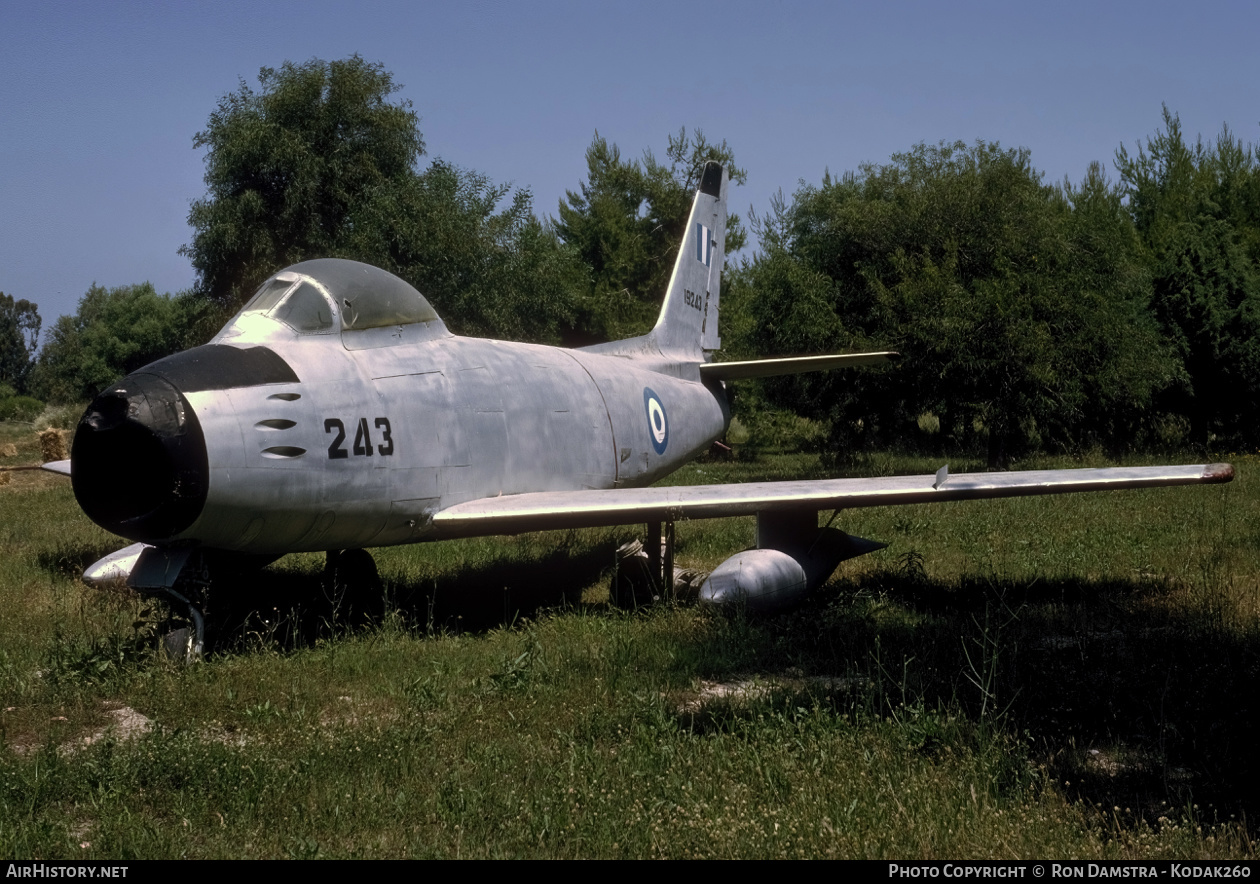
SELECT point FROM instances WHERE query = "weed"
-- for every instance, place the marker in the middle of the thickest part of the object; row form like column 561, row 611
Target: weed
column 911, row 569
column 106, row 660
column 983, row 653
column 262, row 712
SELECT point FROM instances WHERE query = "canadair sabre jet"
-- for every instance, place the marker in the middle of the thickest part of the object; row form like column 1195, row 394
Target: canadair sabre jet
column 337, row 412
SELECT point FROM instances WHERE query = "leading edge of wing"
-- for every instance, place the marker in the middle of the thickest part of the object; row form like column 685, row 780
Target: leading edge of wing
column 549, row 510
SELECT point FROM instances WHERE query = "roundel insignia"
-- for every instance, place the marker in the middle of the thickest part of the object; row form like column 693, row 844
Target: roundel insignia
column 658, row 423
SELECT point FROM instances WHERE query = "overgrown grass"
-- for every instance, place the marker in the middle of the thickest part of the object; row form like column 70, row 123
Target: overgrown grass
column 1055, row 677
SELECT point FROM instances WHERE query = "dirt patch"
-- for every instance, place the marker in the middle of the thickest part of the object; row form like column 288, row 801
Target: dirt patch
column 224, row 735
column 746, row 689
column 124, row 724
column 348, row 712
column 121, row 723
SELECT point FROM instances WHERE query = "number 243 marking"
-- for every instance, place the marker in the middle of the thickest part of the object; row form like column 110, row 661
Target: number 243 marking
column 362, row 438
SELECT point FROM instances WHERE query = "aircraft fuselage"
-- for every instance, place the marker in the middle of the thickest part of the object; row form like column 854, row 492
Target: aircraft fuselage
column 365, row 438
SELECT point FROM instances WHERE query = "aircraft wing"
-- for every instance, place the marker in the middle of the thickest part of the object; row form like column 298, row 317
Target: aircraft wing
column 58, row 466
column 548, row 510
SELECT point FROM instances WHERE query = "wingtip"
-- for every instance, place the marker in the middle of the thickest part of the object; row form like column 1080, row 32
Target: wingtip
column 1218, row 472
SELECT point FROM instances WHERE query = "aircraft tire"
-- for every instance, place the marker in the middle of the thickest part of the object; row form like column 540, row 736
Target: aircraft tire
column 177, row 644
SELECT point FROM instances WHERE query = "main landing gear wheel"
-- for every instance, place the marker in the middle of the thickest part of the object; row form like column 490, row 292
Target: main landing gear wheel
column 190, row 630
column 632, row 584
column 640, row 580
column 184, row 637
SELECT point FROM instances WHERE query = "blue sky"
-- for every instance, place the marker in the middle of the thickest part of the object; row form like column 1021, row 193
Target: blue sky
column 99, row 102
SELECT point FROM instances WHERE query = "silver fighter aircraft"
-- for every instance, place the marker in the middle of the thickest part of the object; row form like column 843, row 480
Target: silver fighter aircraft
column 336, row 412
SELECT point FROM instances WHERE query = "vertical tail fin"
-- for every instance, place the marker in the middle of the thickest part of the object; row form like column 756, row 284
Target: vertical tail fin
column 688, row 324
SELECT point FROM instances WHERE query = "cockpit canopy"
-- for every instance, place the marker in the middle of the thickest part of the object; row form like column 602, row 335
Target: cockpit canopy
column 328, row 295
column 368, row 296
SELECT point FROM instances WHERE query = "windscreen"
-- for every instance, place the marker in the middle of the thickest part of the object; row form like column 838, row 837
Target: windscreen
column 306, row 310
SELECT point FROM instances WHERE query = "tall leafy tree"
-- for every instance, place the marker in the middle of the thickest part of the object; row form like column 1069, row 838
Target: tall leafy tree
column 1124, row 364
column 626, row 222
column 19, row 339
column 1197, row 210
column 490, row 271
column 291, row 167
column 961, row 258
column 323, row 161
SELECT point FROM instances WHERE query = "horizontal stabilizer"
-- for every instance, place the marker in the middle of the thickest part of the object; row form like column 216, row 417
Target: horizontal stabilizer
column 768, row 368
column 548, row 510
column 58, row 466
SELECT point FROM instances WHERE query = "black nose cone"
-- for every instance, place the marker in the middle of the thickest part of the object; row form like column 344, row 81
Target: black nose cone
column 138, row 463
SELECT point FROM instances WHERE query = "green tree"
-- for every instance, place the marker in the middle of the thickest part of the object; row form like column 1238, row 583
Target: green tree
column 1123, row 363
column 19, row 339
column 113, row 333
column 962, row 259
column 322, row 162
column 626, row 222
column 290, row 168
column 490, row 272
column 1197, row 210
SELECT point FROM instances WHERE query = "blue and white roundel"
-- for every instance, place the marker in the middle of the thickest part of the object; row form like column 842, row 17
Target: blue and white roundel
column 658, row 423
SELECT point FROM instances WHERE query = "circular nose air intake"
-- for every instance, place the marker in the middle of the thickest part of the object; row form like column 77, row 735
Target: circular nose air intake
column 138, row 463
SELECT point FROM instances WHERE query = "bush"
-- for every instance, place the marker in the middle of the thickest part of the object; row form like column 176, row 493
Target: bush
column 63, row 417
column 20, row 408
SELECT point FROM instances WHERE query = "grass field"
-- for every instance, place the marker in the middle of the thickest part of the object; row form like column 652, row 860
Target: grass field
column 1068, row 677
